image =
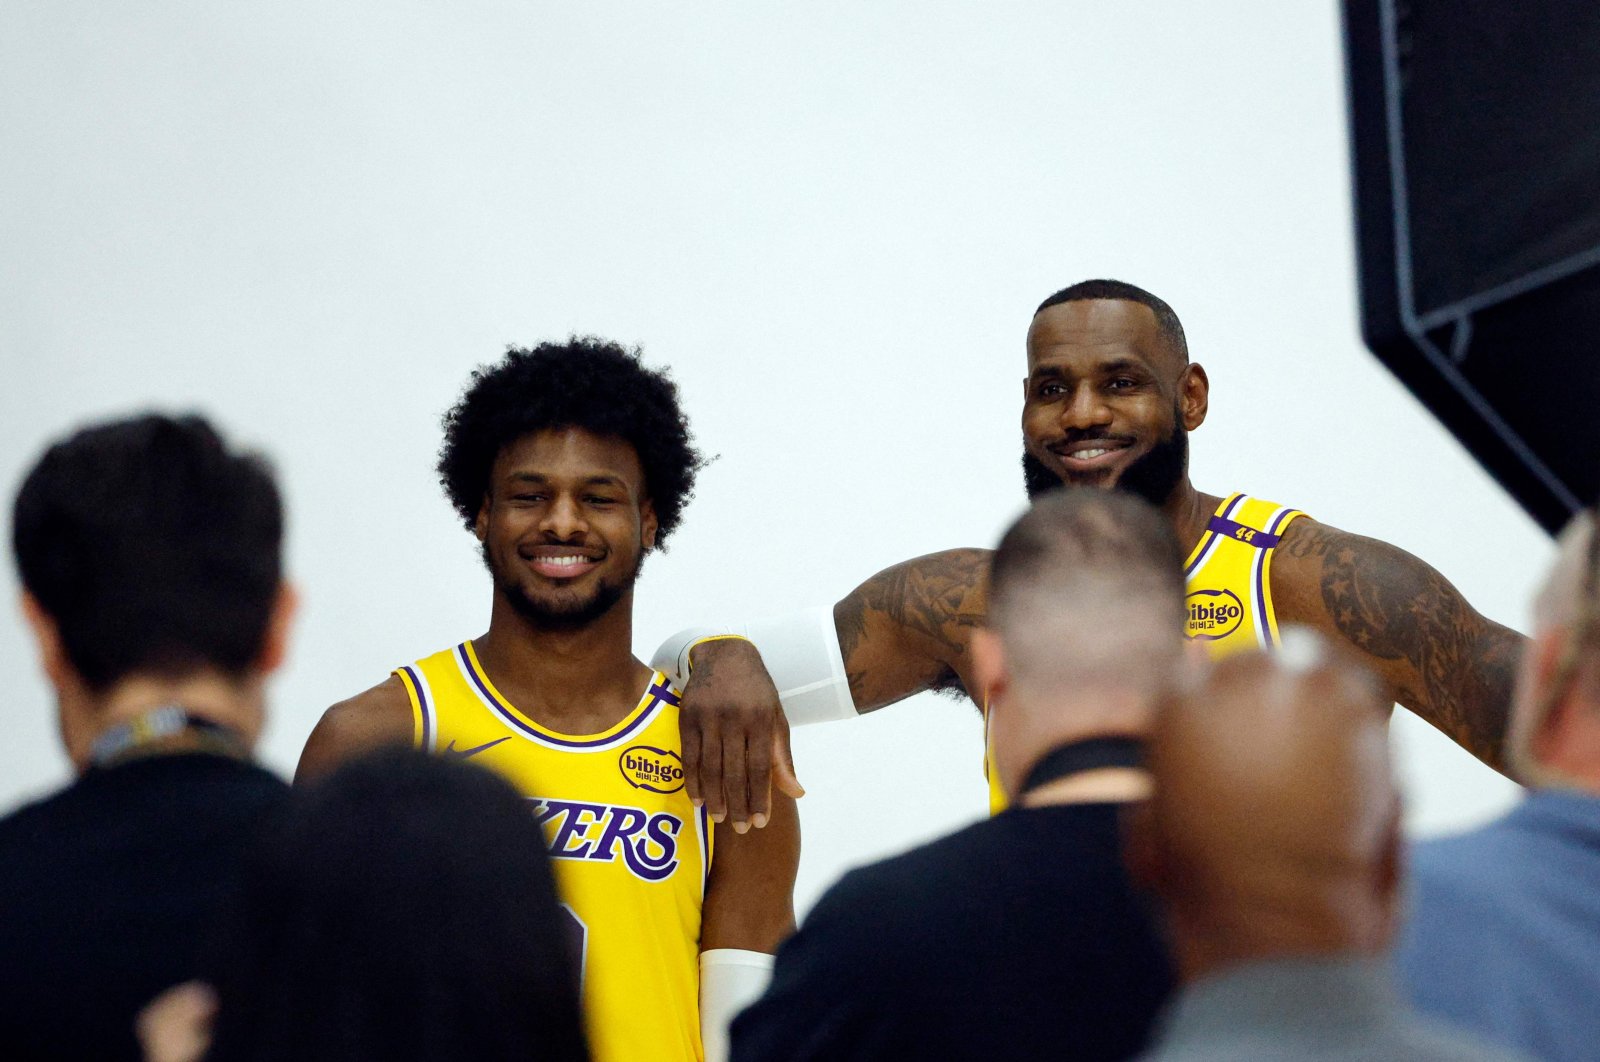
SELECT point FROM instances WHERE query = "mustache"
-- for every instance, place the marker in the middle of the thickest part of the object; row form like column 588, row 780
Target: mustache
column 1075, row 436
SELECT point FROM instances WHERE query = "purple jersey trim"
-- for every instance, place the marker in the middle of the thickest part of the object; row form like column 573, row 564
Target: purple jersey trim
column 1230, row 529
column 510, row 716
column 1205, row 542
column 704, row 817
column 422, row 707
column 1261, row 575
column 1277, row 525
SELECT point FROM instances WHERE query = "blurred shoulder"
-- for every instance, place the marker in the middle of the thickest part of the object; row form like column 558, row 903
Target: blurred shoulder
column 907, row 888
column 26, row 823
column 374, row 718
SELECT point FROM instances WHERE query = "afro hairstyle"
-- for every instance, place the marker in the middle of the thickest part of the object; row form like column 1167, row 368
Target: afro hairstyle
column 585, row 383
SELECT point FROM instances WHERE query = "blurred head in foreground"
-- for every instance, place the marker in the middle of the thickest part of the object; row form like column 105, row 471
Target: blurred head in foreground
column 1273, row 831
column 402, row 908
column 1554, row 739
column 150, row 555
column 1085, row 626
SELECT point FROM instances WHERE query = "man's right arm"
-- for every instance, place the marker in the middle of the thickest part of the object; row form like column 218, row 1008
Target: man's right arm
column 906, row 630
column 377, row 718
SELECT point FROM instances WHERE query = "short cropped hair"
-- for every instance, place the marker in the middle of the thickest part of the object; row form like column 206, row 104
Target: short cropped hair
column 585, row 383
column 1166, row 318
column 1081, row 530
column 1087, row 583
column 153, row 546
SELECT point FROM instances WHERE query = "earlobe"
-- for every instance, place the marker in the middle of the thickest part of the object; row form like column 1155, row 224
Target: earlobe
column 1534, row 718
column 275, row 646
column 480, row 526
column 1548, row 732
column 33, row 612
column 1548, row 649
column 52, row 654
column 989, row 665
column 1196, row 396
column 648, row 525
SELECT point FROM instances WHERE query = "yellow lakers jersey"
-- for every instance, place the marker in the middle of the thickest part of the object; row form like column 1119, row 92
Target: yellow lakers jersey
column 1229, row 576
column 631, row 854
column 1229, row 601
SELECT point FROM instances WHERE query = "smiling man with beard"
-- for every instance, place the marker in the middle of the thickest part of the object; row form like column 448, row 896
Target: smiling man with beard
column 1109, row 401
column 569, row 462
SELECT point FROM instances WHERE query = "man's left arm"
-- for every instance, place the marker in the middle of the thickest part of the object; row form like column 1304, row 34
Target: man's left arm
column 1439, row 657
column 748, row 911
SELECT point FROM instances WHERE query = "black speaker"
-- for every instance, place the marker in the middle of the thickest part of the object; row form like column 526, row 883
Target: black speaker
column 1475, row 142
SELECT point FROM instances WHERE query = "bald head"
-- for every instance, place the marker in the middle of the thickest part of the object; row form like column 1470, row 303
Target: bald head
column 1554, row 737
column 1273, row 828
column 1558, row 598
column 1085, row 622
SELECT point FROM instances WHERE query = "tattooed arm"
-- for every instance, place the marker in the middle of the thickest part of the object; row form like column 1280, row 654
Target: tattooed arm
column 903, row 631
column 906, row 629
column 1439, row 657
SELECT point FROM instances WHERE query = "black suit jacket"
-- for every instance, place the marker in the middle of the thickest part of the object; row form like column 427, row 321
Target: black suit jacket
column 1020, row 937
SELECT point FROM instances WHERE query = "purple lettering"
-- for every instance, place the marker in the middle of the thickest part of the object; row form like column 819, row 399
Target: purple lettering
column 663, row 830
column 574, row 826
column 543, row 812
column 627, row 830
column 621, row 824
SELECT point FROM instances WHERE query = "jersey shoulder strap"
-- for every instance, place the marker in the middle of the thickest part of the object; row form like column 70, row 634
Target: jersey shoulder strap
column 1229, row 575
column 1251, row 521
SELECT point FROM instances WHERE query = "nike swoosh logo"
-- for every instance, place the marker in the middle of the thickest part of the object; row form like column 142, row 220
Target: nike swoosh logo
column 461, row 754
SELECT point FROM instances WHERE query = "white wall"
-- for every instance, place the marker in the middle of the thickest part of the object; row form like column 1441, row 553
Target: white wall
column 832, row 220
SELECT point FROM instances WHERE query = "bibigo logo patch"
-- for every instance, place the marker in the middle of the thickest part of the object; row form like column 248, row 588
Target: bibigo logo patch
column 654, row 769
column 1213, row 614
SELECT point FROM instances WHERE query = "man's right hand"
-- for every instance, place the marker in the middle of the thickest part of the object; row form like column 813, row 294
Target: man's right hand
column 735, row 736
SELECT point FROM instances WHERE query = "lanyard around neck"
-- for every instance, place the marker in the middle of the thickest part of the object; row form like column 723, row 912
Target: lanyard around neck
column 148, row 734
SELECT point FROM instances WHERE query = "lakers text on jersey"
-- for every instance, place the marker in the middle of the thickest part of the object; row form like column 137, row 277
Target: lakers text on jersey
column 631, row 854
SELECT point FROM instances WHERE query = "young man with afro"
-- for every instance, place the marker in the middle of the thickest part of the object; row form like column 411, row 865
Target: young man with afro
column 570, row 462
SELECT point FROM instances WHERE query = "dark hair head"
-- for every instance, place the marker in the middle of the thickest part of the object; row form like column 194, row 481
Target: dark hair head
column 1166, row 319
column 583, row 383
column 403, row 907
column 1081, row 531
column 153, row 547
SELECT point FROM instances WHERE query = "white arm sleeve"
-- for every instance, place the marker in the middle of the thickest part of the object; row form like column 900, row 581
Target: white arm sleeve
column 801, row 652
column 730, row 980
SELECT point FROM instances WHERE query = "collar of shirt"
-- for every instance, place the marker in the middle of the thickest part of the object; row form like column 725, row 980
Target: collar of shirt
column 1560, row 811
column 1285, row 1000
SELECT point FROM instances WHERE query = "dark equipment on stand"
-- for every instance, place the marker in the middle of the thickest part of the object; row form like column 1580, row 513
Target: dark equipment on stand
column 1475, row 134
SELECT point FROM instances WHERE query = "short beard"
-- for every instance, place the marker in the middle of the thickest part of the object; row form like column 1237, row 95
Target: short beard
column 571, row 617
column 1156, row 475
column 1037, row 478
column 1152, row 477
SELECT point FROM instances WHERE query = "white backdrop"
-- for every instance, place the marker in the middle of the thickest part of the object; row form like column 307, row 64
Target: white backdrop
column 831, row 220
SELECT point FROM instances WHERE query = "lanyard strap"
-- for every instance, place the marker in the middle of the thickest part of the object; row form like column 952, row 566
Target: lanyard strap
column 135, row 738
